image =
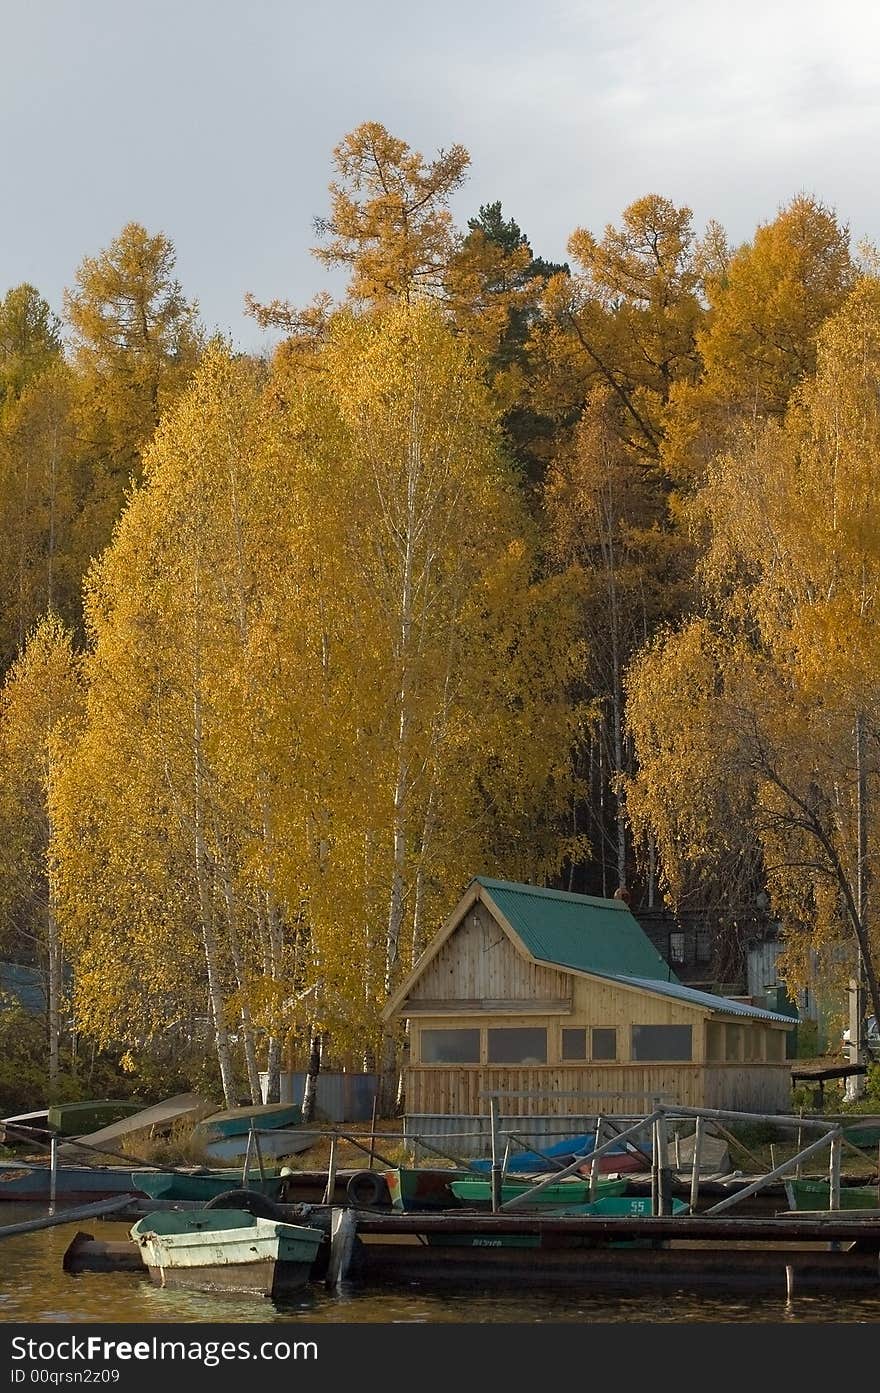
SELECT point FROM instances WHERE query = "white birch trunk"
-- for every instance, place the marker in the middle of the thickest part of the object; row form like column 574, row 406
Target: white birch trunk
column 206, row 916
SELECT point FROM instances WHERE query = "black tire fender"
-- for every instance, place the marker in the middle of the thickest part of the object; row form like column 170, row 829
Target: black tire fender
column 251, row 1201
column 366, row 1188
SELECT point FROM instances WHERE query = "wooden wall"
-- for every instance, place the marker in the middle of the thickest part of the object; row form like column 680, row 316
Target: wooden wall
column 622, row 1089
column 480, row 980
column 479, row 962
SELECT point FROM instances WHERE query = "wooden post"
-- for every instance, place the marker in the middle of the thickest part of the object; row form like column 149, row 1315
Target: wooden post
column 772, row 1157
column 331, row 1173
column 834, row 1173
column 373, row 1128
column 505, row 1159
column 695, row 1171
column 53, row 1173
column 343, row 1230
column 259, row 1155
column 594, row 1165
column 772, row 1175
column 245, row 1170
column 493, row 1124
column 655, row 1175
column 675, row 1143
column 496, row 1187
column 664, row 1188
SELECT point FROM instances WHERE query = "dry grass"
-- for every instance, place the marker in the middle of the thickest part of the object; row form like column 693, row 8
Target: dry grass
column 348, row 1156
column 180, row 1146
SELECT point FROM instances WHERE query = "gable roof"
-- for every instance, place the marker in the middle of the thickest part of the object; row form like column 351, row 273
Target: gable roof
column 582, row 932
column 578, row 933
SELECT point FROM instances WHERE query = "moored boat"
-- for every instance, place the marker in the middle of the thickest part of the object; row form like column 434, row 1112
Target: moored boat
column 282, row 1141
column 614, row 1205
column 226, row 1250
column 624, row 1157
column 474, row 1190
column 620, row 1206
column 236, row 1122
column 183, row 1109
column 816, row 1194
column 201, row 1185
column 21, row 1180
column 72, row 1119
column 863, row 1134
column 415, row 1188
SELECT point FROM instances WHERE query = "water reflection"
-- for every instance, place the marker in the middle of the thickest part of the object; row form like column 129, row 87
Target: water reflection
column 34, row 1287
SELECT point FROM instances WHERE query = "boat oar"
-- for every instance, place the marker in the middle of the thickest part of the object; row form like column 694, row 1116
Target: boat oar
column 69, row 1216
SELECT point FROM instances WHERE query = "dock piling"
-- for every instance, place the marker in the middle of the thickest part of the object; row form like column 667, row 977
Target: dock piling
column 343, row 1230
column 53, row 1173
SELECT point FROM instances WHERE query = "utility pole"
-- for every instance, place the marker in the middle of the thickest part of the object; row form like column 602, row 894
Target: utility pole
column 855, row 1086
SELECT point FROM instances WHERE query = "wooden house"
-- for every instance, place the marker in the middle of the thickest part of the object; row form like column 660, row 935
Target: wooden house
column 560, row 1004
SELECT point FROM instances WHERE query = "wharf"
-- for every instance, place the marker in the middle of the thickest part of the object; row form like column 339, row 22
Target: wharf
column 801, row 1252
column 791, row 1253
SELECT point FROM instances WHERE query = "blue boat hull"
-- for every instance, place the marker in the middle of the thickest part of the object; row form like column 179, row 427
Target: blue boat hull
column 73, row 1184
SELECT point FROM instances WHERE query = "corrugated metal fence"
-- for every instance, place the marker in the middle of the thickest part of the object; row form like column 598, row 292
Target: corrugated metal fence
column 467, row 1136
column 340, row 1096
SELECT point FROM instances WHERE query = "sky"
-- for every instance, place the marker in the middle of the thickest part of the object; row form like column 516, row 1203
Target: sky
column 214, row 122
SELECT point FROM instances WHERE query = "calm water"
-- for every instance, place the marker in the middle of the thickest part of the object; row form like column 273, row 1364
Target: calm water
column 33, row 1287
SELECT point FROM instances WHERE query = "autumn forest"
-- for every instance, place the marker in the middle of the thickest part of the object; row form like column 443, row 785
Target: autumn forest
column 559, row 573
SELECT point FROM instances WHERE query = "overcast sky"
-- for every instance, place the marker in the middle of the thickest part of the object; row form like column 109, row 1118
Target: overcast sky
column 214, row 121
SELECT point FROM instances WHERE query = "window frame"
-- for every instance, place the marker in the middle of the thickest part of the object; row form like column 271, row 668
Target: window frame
column 519, row 1030
column 636, row 1058
column 450, row 1063
column 602, row 1058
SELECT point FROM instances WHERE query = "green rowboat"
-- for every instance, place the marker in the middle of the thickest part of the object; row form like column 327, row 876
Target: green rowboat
column 201, row 1185
column 237, row 1122
column 477, row 1190
column 419, row 1188
column 620, row 1206
column 226, row 1250
column 815, row 1194
column 615, row 1205
column 75, row 1119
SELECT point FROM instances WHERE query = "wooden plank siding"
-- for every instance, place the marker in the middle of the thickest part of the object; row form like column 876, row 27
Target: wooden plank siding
column 480, row 962
column 480, row 980
column 611, row 1088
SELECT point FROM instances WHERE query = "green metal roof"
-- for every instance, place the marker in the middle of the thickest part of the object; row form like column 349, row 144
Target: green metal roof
column 578, row 931
column 698, row 998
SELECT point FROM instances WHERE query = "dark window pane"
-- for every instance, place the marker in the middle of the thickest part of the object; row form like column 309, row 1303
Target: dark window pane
column 676, row 948
column 515, row 1046
column 661, row 1042
column 450, row 1046
column 574, row 1044
column 604, row 1042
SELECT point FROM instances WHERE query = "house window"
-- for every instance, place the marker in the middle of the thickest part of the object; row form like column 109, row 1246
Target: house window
column 604, row 1042
column 676, row 948
column 450, row 1046
column 704, row 946
column 666, row 1042
column 574, row 1044
column 714, row 1040
column 517, row 1046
